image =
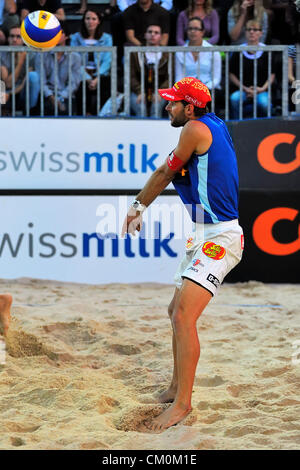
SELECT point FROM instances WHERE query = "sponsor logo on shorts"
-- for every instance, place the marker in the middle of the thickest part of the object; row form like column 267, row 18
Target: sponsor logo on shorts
column 189, row 243
column 197, row 262
column 242, row 242
column 211, row 278
column 193, row 269
column 213, row 251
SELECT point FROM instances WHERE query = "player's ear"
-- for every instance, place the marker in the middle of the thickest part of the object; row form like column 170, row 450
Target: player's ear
column 189, row 109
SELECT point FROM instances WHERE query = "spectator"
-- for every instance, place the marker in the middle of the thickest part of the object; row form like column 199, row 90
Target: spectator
column 201, row 9
column 62, row 81
column 222, row 7
column 241, row 12
column 53, row 6
column 278, row 20
column 91, row 34
column 139, row 15
column 15, row 39
column 292, row 63
column 253, row 35
column 123, row 4
column 292, row 74
column 149, row 59
column 198, row 64
column 8, row 18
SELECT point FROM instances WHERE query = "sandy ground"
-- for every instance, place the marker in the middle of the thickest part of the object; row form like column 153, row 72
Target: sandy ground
column 83, row 361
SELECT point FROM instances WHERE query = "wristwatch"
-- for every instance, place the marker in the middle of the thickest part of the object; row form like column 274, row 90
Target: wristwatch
column 138, row 206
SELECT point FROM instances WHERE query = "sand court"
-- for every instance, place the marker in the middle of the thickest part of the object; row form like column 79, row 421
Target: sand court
column 83, row 363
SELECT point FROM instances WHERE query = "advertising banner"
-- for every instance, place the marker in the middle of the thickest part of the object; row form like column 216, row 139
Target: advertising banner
column 55, row 237
column 268, row 152
column 78, row 239
column 271, row 224
column 76, row 154
column 82, row 153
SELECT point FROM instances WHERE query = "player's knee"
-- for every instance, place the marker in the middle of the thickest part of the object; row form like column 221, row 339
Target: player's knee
column 170, row 310
column 179, row 319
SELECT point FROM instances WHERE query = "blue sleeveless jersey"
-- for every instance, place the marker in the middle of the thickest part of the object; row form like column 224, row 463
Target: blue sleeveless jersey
column 208, row 184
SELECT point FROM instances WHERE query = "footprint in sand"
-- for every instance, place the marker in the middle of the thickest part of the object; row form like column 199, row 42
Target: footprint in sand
column 275, row 372
column 21, row 344
column 106, row 404
column 211, row 381
column 17, row 441
column 125, row 349
column 133, row 419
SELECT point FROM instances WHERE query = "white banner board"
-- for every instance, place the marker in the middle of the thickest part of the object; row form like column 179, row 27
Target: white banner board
column 55, row 237
column 82, row 153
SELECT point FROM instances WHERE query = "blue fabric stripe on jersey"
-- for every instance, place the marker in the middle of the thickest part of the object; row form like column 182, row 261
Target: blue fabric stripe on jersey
column 202, row 168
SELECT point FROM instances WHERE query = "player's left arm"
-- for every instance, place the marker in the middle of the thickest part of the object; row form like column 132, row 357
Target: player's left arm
column 195, row 136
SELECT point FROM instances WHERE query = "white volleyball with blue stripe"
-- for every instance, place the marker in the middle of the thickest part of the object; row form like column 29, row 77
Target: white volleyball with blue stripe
column 41, row 30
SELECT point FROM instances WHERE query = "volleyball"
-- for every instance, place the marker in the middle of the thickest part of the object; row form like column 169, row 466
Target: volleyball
column 41, row 30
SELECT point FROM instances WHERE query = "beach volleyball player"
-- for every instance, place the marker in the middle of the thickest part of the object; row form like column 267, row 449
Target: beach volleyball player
column 203, row 169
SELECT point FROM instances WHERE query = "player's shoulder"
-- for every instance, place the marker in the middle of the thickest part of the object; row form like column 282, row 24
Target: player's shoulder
column 195, row 128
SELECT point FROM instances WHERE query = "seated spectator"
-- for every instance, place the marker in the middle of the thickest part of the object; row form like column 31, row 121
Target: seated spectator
column 139, row 15
column 123, row 4
column 53, row 6
column 15, row 39
column 201, row 9
column 292, row 74
column 149, row 59
column 253, row 35
column 8, row 18
column 62, row 82
column 198, row 64
column 279, row 22
column 91, row 34
column 241, row 12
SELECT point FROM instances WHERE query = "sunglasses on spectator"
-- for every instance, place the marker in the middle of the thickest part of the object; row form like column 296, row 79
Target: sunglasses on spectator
column 18, row 36
column 190, row 28
column 253, row 29
column 153, row 32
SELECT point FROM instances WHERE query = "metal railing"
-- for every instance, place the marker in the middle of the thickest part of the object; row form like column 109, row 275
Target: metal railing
column 83, row 51
column 171, row 51
column 227, row 50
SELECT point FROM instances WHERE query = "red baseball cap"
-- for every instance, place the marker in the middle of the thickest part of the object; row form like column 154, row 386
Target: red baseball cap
column 189, row 89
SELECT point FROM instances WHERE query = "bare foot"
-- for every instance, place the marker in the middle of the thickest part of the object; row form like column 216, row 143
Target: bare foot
column 168, row 396
column 168, row 418
column 5, row 304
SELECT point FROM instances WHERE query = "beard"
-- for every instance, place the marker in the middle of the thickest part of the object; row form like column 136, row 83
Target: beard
column 179, row 121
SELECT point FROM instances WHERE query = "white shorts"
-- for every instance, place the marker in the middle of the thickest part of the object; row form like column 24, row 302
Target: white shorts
column 212, row 251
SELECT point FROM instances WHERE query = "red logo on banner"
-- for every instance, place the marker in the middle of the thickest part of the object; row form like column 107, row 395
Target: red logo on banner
column 213, row 251
column 266, row 157
column 263, row 235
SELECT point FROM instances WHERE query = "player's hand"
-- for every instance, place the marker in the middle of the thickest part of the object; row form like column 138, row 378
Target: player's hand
column 133, row 221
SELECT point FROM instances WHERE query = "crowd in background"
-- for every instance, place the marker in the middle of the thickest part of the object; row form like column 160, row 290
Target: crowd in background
column 152, row 23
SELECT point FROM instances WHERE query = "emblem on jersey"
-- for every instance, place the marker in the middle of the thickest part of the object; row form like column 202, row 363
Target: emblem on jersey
column 213, row 251
column 189, row 243
column 197, row 262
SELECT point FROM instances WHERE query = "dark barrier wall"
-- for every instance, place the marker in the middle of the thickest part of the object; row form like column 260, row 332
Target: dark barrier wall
column 268, row 152
column 271, row 224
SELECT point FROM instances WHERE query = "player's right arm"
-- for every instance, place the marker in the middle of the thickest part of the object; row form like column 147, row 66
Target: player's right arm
column 195, row 137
